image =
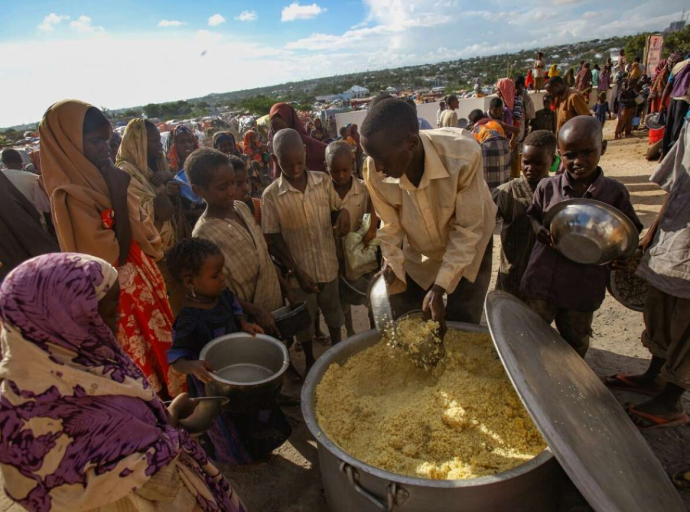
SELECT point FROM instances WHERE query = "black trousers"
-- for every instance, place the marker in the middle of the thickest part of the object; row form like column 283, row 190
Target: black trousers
column 674, row 123
column 465, row 304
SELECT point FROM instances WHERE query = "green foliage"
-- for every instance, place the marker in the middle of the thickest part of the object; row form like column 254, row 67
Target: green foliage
column 9, row 136
column 258, row 105
column 677, row 42
column 635, row 47
column 306, row 107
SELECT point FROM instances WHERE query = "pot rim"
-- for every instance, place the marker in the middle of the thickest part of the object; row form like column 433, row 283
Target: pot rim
column 299, row 308
column 308, row 411
column 278, row 344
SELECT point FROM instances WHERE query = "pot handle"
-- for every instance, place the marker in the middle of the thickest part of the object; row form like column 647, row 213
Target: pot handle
column 395, row 495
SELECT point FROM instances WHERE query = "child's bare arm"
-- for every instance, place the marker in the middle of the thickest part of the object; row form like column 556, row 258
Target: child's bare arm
column 200, row 369
column 510, row 128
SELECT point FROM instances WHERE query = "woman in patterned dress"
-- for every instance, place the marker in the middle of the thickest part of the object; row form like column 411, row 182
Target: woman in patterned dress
column 82, row 427
column 95, row 214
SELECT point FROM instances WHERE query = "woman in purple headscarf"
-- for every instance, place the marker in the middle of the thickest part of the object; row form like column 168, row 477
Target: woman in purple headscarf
column 82, row 429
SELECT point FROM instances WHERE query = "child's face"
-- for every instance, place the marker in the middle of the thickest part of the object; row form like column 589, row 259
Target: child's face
column 220, row 192
column 580, row 155
column 226, row 147
column 292, row 161
column 536, row 162
column 243, row 187
column 340, row 168
column 210, row 281
column 184, row 142
column 496, row 112
column 547, row 103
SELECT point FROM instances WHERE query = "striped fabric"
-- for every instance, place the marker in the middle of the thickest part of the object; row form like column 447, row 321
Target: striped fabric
column 248, row 269
column 304, row 220
column 356, row 202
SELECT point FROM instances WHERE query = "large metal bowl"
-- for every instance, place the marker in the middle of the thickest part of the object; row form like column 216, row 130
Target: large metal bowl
column 591, row 232
column 248, row 370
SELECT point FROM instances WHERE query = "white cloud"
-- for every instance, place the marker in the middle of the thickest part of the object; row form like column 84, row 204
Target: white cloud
column 171, row 23
column 216, row 20
column 246, row 16
column 51, row 21
column 84, row 24
column 295, row 11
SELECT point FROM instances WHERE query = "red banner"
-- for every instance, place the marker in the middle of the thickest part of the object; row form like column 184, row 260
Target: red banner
column 655, row 44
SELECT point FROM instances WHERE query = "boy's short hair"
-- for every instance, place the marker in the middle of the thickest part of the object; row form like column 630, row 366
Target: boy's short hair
column 343, row 130
column 11, row 156
column 335, row 149
column 202, row 163
column 187, row 256
column 496, row 102
column 542, row 139
column 547, row 98
column 393, row 116
column 237, row 163
column 476, row 115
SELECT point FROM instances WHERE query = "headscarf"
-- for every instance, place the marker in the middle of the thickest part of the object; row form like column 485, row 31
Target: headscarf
column 507, row 89
column 553, row 71
column 171, row 147
column 316, row 150
column 132, row 158
column 79, row 193
column 82, row 427
column 221, row 137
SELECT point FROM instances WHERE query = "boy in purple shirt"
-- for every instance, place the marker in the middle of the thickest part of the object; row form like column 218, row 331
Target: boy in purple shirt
column 554, row 286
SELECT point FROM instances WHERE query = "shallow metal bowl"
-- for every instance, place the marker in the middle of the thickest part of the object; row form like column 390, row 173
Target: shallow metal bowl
column 355, row 292
column 591, row 232
column 204, row 416
column 292, row 320
column 248, row 370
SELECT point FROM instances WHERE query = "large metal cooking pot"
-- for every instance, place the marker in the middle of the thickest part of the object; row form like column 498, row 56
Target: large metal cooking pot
column 248, row 370
column 353, row 486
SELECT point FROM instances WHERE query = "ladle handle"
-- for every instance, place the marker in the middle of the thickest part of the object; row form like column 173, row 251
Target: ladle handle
column 395, row 495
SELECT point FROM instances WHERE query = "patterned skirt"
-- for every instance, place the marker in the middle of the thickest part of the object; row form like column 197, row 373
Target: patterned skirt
column 145, row 324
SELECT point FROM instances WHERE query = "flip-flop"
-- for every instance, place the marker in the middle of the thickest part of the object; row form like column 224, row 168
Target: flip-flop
column 621, row 382
column 681, row 480
column 658, row 421
column 323, row 340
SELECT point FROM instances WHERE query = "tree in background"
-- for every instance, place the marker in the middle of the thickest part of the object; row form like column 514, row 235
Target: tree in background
column 677, row 42
column 635, row 47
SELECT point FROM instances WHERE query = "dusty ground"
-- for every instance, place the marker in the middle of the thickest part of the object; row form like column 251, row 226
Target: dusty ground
column 291, row 481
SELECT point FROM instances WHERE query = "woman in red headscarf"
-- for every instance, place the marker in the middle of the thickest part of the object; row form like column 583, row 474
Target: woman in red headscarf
column 283, row 116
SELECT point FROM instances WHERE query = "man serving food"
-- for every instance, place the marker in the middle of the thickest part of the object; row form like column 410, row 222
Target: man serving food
column 436, row 211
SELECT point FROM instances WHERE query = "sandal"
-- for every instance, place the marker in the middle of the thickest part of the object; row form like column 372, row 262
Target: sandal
column 622, row 382
column 657, row 421
column 322, row 340
column 681, row 480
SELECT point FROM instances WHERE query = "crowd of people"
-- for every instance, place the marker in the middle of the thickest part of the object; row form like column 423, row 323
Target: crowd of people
column 122, row 258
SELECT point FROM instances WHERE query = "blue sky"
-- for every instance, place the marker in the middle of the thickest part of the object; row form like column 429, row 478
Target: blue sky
column 123, row 53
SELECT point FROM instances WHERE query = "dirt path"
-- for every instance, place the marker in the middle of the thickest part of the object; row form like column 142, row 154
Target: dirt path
column 291, row 481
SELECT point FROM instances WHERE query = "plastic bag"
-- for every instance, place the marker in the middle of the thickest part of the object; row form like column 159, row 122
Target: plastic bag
column 359, row 260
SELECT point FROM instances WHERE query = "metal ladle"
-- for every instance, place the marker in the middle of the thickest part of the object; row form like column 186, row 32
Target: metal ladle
column 427, row 353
